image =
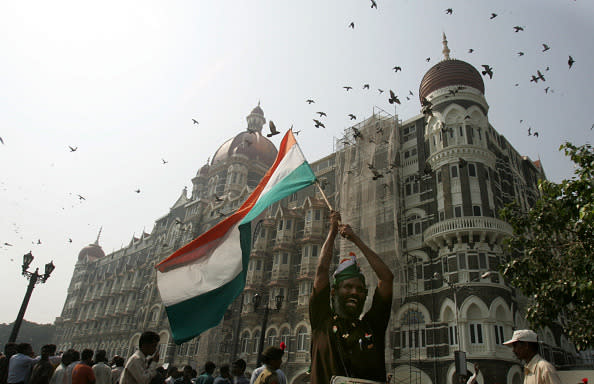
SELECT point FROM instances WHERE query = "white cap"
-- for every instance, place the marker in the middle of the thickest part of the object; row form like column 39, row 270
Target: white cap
column 526, row 335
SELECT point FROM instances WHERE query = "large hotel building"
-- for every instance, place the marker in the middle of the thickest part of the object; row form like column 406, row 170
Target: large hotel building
column 424, row 193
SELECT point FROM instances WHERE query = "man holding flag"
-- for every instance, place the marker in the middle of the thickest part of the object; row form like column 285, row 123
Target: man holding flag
column 209, row 272
column 343, row 344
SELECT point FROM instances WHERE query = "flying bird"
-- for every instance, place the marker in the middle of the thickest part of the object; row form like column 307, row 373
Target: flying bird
column 273, row 130
column 137, row 190
column 321, row 113
column 393, row 98
column 357, row 133
column 81, row 197
column 348, row 88
column 449, row 11
column 365, row 86
column 535, row 134
column 8, row 244
column 353, row 117
column 470, row 50
column 69, row 240
column 488, row 71
column 493, row 15
column 380, row 91
column 461, row 162
column 520, row 53
column 517, row 28
column 397, row 68
column 569, row 62
column 72, row 149
column 195, row 121
column 426, row 107
column 309, row 101
column 428, row 59
column 540, row 75
column 547, row 89
column 529, row 131
column 2, row 141
column 545, row 47
column 373, row 4
column 164, row 161
column 296, row 132
column 38, row 241
column 319, row 124
column 410, row 93
column 376, row 174
column 352, row 25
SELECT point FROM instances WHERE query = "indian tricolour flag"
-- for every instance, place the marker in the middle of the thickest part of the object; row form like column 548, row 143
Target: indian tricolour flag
column 200, row 280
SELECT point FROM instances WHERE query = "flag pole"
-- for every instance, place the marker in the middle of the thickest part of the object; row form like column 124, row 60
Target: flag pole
column 323, row 195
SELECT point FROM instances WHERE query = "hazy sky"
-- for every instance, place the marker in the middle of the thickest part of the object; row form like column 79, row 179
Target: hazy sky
column 121, row 81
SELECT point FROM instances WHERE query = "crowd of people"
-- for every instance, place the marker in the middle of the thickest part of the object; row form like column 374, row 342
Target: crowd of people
column 20, row 365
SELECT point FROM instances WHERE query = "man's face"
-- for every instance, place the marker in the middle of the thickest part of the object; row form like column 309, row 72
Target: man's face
column 349, row 297
column 236, row 370
column 521, row 350
column 151, row 348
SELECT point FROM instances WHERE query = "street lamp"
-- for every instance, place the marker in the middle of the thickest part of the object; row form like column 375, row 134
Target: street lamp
column 460, row 356
column 278, row 301
column 34, row 278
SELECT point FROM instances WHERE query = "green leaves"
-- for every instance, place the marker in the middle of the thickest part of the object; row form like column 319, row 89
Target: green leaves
column 553, row 251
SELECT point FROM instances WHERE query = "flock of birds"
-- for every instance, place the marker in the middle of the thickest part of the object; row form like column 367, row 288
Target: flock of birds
column 393, row 99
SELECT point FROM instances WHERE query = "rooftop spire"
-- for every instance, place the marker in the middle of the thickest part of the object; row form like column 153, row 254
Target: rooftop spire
column 446, row 50
column 98, row 235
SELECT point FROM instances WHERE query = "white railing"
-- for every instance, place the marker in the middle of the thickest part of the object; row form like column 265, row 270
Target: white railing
column 466, row 224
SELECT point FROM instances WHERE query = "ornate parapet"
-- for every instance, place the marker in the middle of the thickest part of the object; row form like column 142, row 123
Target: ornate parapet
column 490, row 230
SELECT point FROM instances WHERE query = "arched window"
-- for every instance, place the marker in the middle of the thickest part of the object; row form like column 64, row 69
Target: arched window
column 412, row 330
column 256, row 341
column 302, row 339
column 450, row 319
column 245, row 341
column 285, row 336
column 272, row 338
column 475, row 326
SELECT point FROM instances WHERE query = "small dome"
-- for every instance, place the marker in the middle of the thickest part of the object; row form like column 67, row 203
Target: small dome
column 92, row 252
column 204, row 170
column 251, row 144
column 257, row 110
column 450, row 72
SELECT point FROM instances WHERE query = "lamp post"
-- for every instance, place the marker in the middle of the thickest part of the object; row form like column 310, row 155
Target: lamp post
column 34, row 278
column 278, row 299
column 460, row 356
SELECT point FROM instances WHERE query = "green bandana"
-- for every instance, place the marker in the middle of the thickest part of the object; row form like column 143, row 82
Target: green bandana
column 347, row 269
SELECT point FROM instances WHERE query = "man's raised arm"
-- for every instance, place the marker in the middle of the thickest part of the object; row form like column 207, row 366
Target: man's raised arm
column 322, row 280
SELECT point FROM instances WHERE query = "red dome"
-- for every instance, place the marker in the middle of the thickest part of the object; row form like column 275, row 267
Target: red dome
column 93, row 251
column 450, row 72
column 251, row 144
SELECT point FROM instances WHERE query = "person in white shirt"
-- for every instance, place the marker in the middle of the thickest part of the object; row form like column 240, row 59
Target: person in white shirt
column 59, row 376
column 272, row 358
column 21, row 364
column 537, row 370
column 100, row 369
column 141, row 367
column 117, row 370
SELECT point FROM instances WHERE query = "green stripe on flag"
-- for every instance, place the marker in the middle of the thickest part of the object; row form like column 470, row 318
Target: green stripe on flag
column 191, row 317
column 300, row 178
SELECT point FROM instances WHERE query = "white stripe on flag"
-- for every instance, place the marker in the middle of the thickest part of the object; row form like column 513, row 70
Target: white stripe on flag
column 205, row 274
column 292, row 160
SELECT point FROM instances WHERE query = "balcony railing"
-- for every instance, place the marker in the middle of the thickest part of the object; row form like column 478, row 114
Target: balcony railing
column 488, row 228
